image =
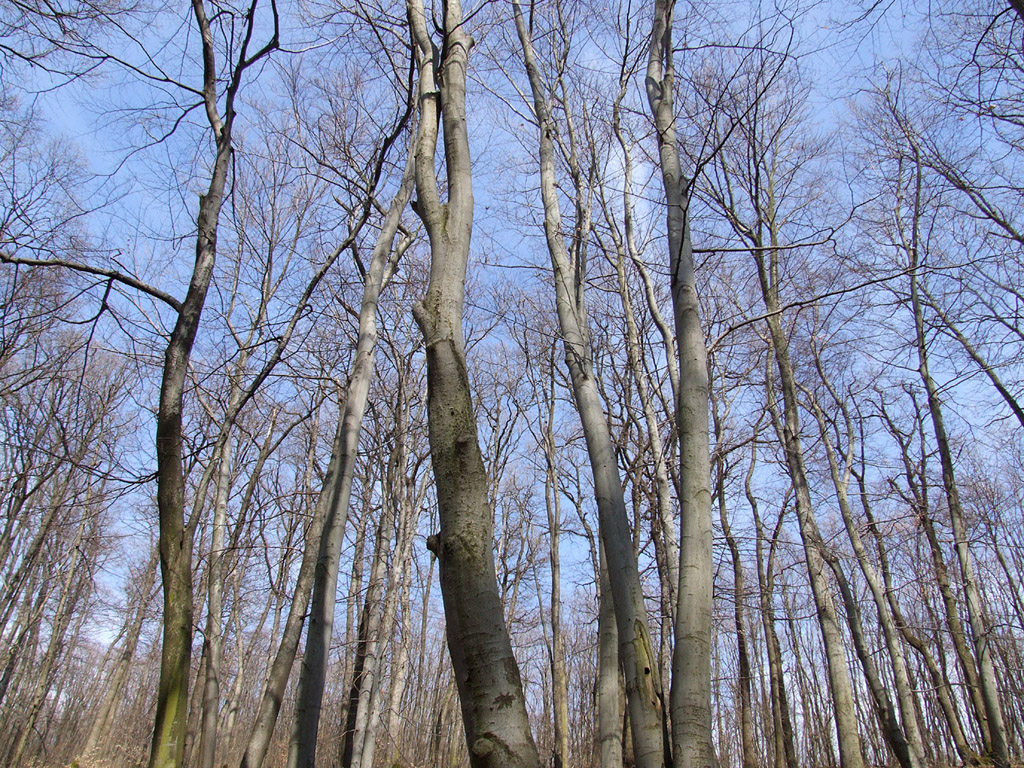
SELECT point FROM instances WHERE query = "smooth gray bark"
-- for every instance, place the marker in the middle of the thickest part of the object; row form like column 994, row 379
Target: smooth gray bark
column 636, row 651
column 609, row 683
column 748, row 753
column 302, row 749
column 692, row 742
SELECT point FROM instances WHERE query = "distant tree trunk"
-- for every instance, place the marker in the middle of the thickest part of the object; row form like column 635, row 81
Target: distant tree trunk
column 377, row 618
column 748, row 752
column 692, row 742
column 782, row 730
column 409, row 504
column 850, row 754
column 400, row 667
column 282, row 660
column 138, row 605
column 905, row 740
column 497, row 728
column 882, row 704
column 213, row 636
column 71, row 589
column 940, row 683
column 552, row 504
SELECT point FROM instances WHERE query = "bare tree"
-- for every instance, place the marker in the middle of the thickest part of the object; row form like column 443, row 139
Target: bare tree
column 636, row 651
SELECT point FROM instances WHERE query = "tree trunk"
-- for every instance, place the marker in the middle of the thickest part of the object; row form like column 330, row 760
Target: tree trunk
column 988, row 687
column 497, row 728
column 782, row 731
column 213, row 637
column 850, row 754
column 609, row 685
column 905, row 740
column 692, row 743
column 176, row 537
column 302, row 751
column 748, row 753
column 637, row 657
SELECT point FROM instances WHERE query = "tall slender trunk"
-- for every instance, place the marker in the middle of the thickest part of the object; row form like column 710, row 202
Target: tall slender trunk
column 213, row 636
column 782, row 731
column 552, row 504
column 850, row 754
column 313, row 674
column 940, row 681
column 636, row 651
column 400, row 665
column 903, row 736
column 409, row 504
column 282, row 659
column 175, row 533
column 988, row 687
column 748, row 753
column 368, row 640
column 692, row 742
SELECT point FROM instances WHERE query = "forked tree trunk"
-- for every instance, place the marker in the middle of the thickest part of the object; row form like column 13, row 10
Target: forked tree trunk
column 494, row 715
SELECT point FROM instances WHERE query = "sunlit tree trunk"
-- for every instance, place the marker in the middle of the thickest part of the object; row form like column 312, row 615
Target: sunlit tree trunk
column 692, row 744
column 636, row 651
column 302, row 751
